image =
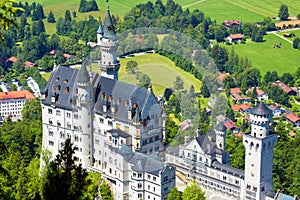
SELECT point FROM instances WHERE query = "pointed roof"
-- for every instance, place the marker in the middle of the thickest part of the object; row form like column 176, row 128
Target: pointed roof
column 261, row 109
column 220, row 127
column 100, row 29
column 108, row 27
column 83, row 74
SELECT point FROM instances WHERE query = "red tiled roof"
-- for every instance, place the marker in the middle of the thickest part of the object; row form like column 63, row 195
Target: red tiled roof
column 236, row 36
column 222, row 76
column 239, row 97
column 235, row 90
column 23, row 94
column 230, row 124
column 292, row 134
column 259, row 91
column 231, row 22
column 243, row 107
column 67, row 55
column 292, row 117
column 283, row 86
column 12, row 59
column 29, row 64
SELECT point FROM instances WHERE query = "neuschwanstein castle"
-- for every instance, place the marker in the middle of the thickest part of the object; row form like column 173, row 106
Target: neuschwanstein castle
column 114, row 125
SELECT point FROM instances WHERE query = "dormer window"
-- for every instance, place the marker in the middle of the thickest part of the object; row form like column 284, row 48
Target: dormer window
column 57, row 79
column 109, row 28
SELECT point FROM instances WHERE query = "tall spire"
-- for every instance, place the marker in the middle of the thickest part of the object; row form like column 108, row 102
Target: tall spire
column 108, row 28
column 83, row 75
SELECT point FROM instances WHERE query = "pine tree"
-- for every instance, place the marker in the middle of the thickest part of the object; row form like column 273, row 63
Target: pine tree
column 68, row 17
column 40, row 27
column 64, row 179
column 204, row 91
column 51, row 18
column 40, row 12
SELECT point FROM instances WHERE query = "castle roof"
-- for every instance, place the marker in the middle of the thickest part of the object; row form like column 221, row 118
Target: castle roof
column 261, row 109
column 118, row 133
column 113, row 90
column 100, row 29
column 220, row 127
column 108, row 27
column 83, row 74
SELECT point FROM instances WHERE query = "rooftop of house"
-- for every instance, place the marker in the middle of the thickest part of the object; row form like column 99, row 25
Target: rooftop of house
column 292, row 134
column 185, row 125
column 235, row 90
column 283, row 86
column 22, row 94
column 236, row 36
column 242, row 107
column 258, row 91
column 293, row 117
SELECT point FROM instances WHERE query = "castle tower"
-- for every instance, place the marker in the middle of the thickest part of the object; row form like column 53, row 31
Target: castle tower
column 220, row 131
column 259, row 145
column 84, row 120
column 108, row 43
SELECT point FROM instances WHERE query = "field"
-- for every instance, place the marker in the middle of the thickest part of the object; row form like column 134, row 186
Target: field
column 266, row 58
column 247, row 11
column 161, row 70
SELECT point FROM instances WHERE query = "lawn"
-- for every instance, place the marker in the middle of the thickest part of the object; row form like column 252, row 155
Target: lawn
column 161, row 70
column 266, row 58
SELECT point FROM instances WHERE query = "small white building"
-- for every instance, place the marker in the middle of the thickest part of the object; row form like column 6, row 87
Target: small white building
column 12, row 103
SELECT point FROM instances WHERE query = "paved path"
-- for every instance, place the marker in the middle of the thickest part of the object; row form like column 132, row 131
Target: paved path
column 193, row 4
column 282, row 37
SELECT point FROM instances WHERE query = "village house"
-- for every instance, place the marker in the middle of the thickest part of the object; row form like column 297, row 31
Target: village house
column 276, row 111
column 221, row 77
column 285, row 88
column 292, row 134
column 293, row 118
column 185, row 125
column 232, row 127
column 242, row 108
column 231, row 23
column 261, row 95
column 235, row 38
column 237, row 96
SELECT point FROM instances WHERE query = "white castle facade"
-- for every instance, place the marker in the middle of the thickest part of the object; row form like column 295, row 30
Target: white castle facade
column 112, row 124
column 204, row 159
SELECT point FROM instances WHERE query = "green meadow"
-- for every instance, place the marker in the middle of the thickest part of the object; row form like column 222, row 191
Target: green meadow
column 161, row 70
column 267, row 58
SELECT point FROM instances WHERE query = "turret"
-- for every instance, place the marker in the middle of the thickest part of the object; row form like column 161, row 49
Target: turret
column 108, row 43
column 220, row 131
column 259, row 152
column 84, row 121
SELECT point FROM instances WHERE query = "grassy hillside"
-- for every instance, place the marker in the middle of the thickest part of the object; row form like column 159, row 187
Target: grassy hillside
column 247, row 11
column 266, row 58
column 161, row 70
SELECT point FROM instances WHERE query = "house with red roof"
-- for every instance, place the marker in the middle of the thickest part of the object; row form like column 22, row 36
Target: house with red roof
column 292, row 134
column 11, row 103
column 235, row 38
column 231, row 23
column 237, row 96
column 230, row 125
column 29, row 64
column 293, row 118
column 261, row 95
column 285, row 88
column 242, row 108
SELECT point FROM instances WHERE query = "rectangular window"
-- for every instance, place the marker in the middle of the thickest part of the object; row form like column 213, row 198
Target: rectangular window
column 51, row 143
column 58, row 112
column 49, row 111
column 68, row 115
column 75, row 116
column 110, row 123
column 101, row 120
column 58, row 123
column 154, row 178
column 50, row 133
column 97, row 141
column 165, row 178
column 140, row 175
